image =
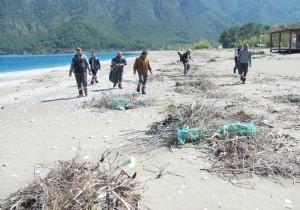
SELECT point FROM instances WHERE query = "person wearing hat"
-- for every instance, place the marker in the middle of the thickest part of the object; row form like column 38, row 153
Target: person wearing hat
column 142, row 66
column 79, row 66
column 186, row 61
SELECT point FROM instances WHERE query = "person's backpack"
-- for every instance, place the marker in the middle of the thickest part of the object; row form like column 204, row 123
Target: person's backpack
column 180, row 57
column 79, row 64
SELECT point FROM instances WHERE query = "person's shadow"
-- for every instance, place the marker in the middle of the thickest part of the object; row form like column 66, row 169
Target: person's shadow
column 70, row 98
column 58, row 99
column 230, row 84
column 103, row 90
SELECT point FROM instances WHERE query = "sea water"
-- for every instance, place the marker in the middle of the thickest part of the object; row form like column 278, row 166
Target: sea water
column 11, row 63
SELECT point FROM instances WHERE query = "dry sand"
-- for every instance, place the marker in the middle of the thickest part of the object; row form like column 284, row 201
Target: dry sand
column 42, row 122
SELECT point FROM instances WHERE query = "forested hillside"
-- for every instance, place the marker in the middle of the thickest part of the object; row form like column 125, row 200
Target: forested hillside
column 52, row 26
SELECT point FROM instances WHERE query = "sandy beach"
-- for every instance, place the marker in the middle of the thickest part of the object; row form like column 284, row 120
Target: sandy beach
column 42, row 121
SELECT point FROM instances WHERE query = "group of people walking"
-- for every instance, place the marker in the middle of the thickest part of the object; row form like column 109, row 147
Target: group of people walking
column 242, row 58
column 81, row 66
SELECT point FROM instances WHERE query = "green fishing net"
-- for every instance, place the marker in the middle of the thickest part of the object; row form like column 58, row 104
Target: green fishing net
column 188, row 134
column 124, row 103
column 237, row 129
column 119, row 103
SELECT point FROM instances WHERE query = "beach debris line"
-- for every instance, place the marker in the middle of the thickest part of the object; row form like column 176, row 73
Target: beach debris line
column 294, row 98
column 265, row 155
column 75, row 184
column 236, row 147
column 290, row 98
column 194, row 86
column 191, row 123
column 117, row 103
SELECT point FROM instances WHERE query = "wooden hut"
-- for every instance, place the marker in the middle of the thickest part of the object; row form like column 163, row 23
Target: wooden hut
column 286, row 40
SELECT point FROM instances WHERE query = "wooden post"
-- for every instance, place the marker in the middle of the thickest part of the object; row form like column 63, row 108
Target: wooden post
column 271, row 42
column 279, row 42
column 290, row 47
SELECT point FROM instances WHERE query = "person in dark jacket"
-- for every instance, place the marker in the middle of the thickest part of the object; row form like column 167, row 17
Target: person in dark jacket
column 236, row 56
column 79, row 66
column 95, row 66
column 186, row 61
column 142, row 66
column 119, row 61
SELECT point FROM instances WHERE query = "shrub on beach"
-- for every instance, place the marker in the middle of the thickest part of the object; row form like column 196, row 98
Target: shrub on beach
column 258, row 52
column 202, row 44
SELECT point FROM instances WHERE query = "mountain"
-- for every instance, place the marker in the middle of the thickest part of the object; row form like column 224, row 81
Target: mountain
column 51, row 26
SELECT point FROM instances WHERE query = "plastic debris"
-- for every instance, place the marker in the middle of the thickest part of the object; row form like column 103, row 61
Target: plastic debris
column 236, row 129
column 188, row 134
column 117, row 103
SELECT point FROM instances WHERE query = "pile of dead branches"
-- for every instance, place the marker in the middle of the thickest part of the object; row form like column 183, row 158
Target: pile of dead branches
column 290, row 98
column 205, row 116
column 109, row 101
column 263, row 153
column 79, row 185
column 268, row 155
column 194, row 86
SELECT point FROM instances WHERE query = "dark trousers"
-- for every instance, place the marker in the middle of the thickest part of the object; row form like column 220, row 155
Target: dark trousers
column 243, row 70
column 119, row 76
column 81, row 80
column 186, row 67
column 236, row 63
column 94, row 72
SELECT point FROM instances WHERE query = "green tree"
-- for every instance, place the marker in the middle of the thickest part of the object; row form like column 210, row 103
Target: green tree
column 248, row 33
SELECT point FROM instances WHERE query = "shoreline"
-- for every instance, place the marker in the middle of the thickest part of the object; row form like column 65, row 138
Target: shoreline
column 62, row 66
column 31, row 72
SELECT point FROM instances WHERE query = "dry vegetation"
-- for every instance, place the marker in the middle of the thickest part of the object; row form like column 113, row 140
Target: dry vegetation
column 127, row 101
column 194, row 86
column 237, row 151
column 80, row 185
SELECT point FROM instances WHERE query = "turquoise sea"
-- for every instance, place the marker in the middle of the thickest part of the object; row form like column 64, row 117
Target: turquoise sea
column 11, row 63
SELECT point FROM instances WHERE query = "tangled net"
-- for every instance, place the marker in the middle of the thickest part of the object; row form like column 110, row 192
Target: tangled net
column 230, row 147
